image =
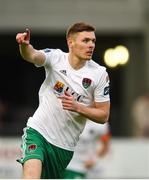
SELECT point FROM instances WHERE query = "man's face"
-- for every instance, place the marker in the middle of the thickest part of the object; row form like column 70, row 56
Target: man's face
column 82, row 45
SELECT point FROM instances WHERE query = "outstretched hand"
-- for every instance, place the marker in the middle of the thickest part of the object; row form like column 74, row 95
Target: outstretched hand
column 23, row 38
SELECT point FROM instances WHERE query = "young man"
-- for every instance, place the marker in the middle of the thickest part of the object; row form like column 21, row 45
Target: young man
column 75, row 88
column 93, row 145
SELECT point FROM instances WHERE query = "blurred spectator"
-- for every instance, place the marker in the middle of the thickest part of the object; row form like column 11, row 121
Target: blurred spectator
column 140, row 115
column 93, row 144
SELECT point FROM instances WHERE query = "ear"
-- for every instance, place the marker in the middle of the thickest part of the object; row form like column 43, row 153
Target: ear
column 70, row 42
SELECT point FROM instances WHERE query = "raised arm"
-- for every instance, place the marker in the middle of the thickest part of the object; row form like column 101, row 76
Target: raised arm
column 27, row 51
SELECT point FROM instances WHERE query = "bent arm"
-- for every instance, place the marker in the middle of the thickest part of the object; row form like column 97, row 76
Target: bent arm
column 98, row 113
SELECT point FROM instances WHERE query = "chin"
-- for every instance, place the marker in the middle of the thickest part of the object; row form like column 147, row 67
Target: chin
column 88, row 58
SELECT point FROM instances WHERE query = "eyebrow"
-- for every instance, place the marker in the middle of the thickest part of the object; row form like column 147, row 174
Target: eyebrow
column 87, row 38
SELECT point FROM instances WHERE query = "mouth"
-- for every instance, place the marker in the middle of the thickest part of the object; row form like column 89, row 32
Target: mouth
column 89, row 53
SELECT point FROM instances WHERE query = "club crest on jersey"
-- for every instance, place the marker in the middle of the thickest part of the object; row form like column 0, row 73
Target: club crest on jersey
column 86, row 82
column 32, row 147
column 58, row 88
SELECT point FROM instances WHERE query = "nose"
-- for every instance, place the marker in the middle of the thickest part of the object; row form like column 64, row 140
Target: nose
column 91, row 44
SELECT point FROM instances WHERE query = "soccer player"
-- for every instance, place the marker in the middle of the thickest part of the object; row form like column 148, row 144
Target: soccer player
column 75, row 89
column 93, row 145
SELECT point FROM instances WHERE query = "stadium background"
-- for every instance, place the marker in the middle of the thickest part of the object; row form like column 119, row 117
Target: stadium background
column 124, row 22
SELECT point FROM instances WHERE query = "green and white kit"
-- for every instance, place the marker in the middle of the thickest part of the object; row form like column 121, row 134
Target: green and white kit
column 61, row 127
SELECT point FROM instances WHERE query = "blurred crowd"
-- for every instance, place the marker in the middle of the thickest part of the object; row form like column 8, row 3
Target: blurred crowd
column 140, row 115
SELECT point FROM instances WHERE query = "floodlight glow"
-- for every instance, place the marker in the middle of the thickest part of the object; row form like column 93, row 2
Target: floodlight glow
column 116, row 56
column 109, row 58
column 123, row 54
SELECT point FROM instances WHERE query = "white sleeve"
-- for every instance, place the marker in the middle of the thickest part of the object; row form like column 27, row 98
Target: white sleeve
column 52, row 56
column 101, row 93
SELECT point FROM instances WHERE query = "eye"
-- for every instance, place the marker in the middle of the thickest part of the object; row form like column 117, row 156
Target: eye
column 86, row 40
column 94, row 41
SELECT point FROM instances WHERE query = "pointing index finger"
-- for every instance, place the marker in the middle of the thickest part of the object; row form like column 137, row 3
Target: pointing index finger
column 28, row 32
column 27, row 35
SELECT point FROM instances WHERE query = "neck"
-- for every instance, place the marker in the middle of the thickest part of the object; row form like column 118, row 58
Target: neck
column 75, row 62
